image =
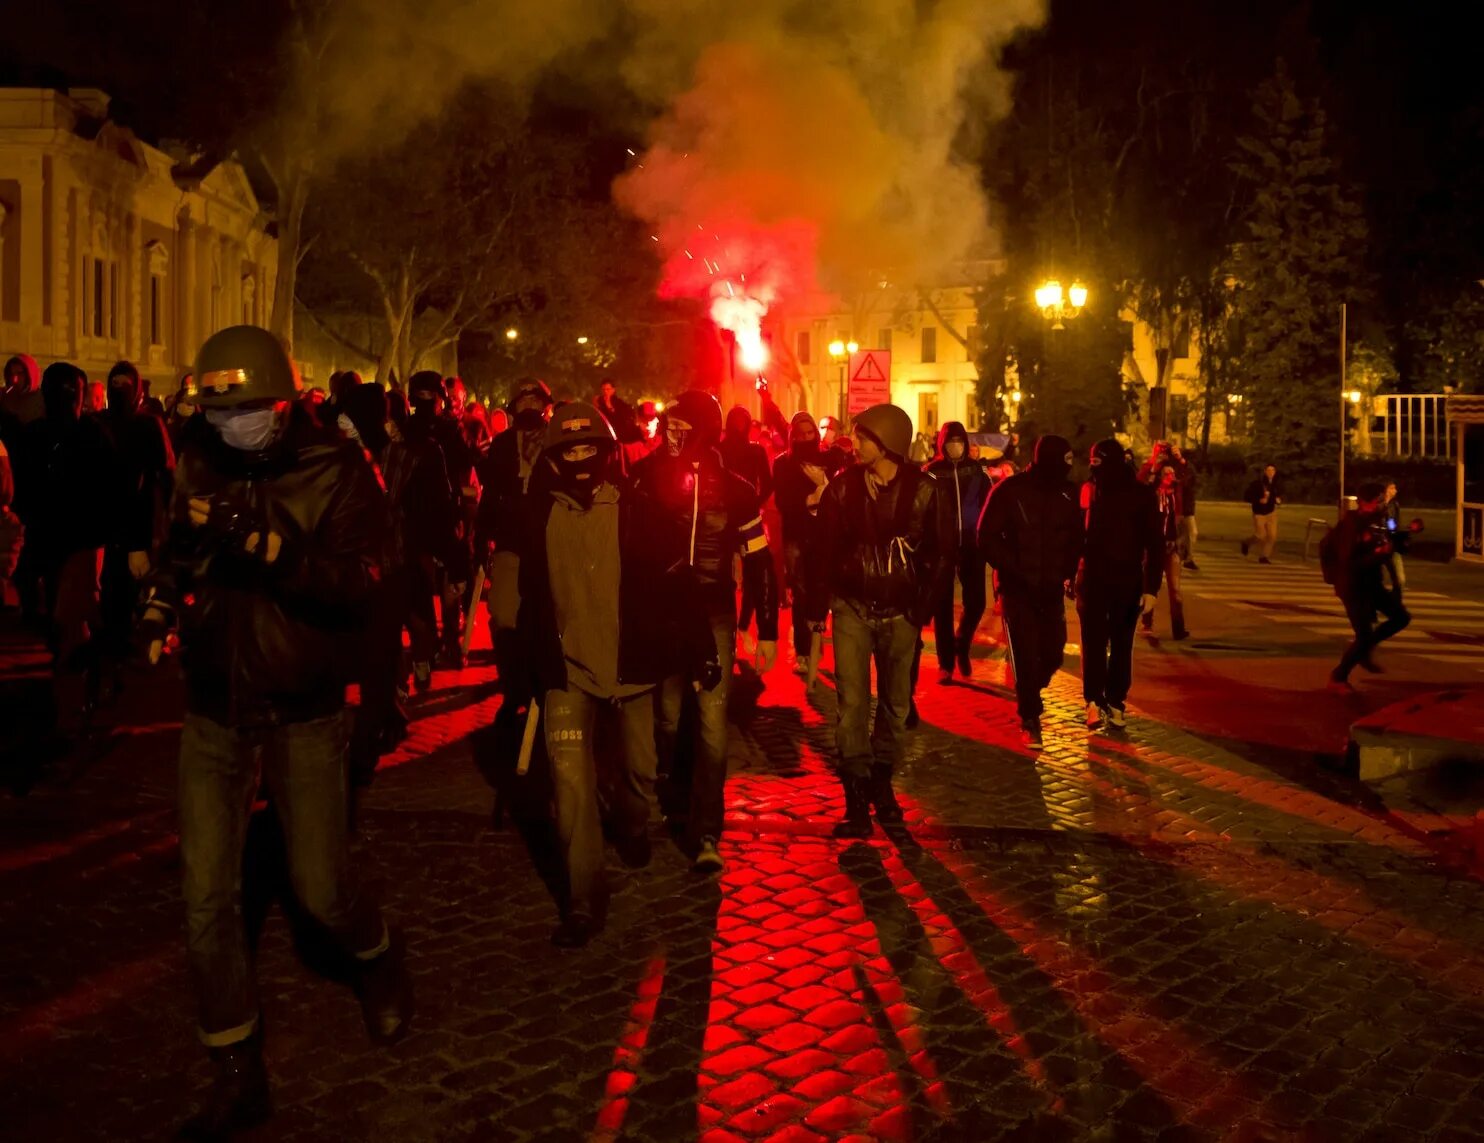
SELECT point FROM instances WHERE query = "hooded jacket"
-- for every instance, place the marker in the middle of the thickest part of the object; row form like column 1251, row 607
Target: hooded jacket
column 23, row 404
column 744, row 458
column 1031, row 530
column 698, row 516
column 792, row 486
column 508, row 493
column 274, row 643
column 66, row 474
column 1123, row 547
column 886, row 553
column 964, row 479
column 146, row 462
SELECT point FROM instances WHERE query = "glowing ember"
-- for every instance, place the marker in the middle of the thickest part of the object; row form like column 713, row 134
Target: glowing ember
column 743, row 315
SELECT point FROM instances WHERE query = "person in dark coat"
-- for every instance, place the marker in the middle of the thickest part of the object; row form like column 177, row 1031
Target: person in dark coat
column 964, row 481
column 275, row 530
column 1363, row 547
column 742, row 456
column 1122, row 559
column 1031, row 534
column 800, row 477
column 438, row 536
column 885, row 559
column 145, row 466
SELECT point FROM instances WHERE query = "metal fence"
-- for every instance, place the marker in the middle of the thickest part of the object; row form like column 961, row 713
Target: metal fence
column 1412, row 426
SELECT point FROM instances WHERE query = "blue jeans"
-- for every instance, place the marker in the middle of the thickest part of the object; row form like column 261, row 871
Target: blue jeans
column 305, row 768
column 860, row 637
column 570, row 717
column 708, row 774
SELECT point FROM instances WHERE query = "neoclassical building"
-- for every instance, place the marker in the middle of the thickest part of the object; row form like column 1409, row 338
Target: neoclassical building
column 110, row 248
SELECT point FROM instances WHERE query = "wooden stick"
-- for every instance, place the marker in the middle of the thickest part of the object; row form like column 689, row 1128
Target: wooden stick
column 473, row 609
column 528, row 738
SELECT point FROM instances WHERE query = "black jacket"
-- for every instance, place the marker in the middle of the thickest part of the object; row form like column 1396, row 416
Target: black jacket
column 1254, row 492
column 966, row 484
column 419, row 501
column 889, row 554
column 1031, row 532
column 266, row 643
column 650, row 646
column 1123, row 546
column 698, row 518
column 66, row 477
column 144, row 461
column 505, row 499
column 791, row 491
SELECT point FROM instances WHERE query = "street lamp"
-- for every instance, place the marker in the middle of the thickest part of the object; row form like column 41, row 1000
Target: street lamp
column 582, row 341
column 1058, row 305
column 511, row 334
column 840, row 352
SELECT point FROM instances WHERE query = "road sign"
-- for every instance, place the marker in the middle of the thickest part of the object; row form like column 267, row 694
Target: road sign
column 870, row 379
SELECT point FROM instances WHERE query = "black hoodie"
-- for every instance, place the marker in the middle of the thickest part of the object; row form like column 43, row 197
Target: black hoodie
column 1031, row 530
column 1123, row 551
column 964, row 480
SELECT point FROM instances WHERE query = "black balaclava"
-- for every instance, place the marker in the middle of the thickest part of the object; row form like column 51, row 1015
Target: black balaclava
column 580, row 479
column 62, row 388
column 1109, row 464
column 366, row 407
column 123, row 390
column 1053, row 459
column 805, row 451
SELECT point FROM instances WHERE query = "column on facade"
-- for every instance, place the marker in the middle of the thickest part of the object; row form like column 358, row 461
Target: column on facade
column 30, row 242
column 185, row 289
column 131, row 342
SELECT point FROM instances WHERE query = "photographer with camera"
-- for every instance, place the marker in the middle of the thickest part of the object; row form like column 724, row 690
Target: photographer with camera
column 1352, row 556
column 268, row 573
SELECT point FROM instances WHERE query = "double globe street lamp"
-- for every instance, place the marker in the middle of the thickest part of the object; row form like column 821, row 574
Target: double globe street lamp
column 840, row 352
column 1058, row 305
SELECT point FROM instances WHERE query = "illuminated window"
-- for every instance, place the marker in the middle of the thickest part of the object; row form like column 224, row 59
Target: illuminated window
column 929, row 344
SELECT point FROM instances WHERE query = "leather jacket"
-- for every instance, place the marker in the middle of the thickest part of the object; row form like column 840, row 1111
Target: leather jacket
column 699, row 516
column 506, row 497
column 274, row 643
column 888, row 554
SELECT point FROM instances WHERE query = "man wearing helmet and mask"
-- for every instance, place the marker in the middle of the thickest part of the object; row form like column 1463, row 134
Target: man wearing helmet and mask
column 699, row 516
column 1123, row 555
column 588, row 593
column 887, row 555
column 1031, row 534
column 269, row 569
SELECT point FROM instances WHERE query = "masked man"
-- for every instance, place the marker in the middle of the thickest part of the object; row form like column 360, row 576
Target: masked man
column 965, row 480
column 1031, row 534
column 799, row 480
column 886, row 557
column 268, row 572
column 588, row 595
column 1123, row 557
column 436, row 536
column 700, row 516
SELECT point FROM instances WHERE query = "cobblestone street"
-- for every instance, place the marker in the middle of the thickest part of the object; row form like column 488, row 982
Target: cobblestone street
column 1164, row 934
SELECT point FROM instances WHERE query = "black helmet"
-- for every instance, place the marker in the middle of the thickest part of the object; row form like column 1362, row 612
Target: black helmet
column 891, row 427
column 242, row 364
column 701, row 411
column 529, row 387
column 427, row 381
column 577, row 423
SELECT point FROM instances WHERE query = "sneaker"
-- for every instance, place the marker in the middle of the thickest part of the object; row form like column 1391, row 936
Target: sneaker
column 422, row 677
column 1190, row 565
column 1180, row 634
column 1117, row 717
column 801, row 666
column 1095, row 716
column 1340, row 684
column 708, row 858
column 1245, row 546
column 945, row 676
column 1030, row 734
column 238, row 1099
column 385, row 990
column 1264, row 560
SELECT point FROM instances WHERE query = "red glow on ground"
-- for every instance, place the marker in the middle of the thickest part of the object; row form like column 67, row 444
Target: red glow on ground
column 628, row 1054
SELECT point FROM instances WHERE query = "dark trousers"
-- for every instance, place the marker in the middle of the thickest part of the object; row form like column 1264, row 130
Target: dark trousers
column 1170, row 573
column 1036, row 624
column 571, row 720
column 420, row 582
column 119, row 593
column 304, row 767
column 379, row 670
column 861, row 637
column 1109, row 618
column 971, row 576
column 796, row 577
column 706, row 779
column 1361, row 606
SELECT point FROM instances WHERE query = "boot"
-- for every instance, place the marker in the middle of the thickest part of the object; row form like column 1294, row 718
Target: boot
column 883, row 797
column 857, row 822
column 238, row 1099
column 385, row 990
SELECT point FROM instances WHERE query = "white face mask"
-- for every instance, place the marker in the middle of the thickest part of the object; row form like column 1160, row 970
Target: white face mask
column 249, row 430
column 348, row 427
column 954, row 449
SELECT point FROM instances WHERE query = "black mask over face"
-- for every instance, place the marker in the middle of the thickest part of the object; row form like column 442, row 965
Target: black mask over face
column 123, row 397
column 579, row 479
column 529, row 420
column 806, row 451
column 61, row 392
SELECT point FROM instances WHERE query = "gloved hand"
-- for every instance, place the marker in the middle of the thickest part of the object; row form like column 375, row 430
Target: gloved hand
column 1146, row 604
column 227, row 519
column 153, row 631
column 708, row 676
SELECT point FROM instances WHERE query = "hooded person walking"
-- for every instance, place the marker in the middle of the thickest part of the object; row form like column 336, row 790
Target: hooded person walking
column 965, row 483
column 1122, row 557
column 800, row 477
column 1031, row 534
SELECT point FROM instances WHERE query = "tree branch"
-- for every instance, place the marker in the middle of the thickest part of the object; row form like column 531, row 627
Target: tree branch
column 932, row 306
column 334, row 335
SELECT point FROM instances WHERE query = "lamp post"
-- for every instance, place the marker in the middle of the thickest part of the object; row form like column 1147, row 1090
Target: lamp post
column 840, row 352
column 1058, row 306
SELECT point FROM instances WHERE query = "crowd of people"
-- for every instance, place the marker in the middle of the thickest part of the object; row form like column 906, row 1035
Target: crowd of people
column 289, row 544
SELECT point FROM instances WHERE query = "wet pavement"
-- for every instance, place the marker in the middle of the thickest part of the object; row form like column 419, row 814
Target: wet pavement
column 1165, row 934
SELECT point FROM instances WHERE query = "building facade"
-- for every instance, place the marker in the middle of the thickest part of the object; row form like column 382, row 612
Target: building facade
column 110, row 248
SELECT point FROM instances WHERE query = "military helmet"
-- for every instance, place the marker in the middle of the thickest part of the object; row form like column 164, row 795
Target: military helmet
column 243, row 364
column 577, row 423
column 891, row 427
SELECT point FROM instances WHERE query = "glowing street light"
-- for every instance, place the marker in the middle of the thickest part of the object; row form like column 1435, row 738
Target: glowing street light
column 511, row 334
column 1353, row 396
column 837, row 348
column 582, row 341
column 851, row 347
column 1058, row 305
